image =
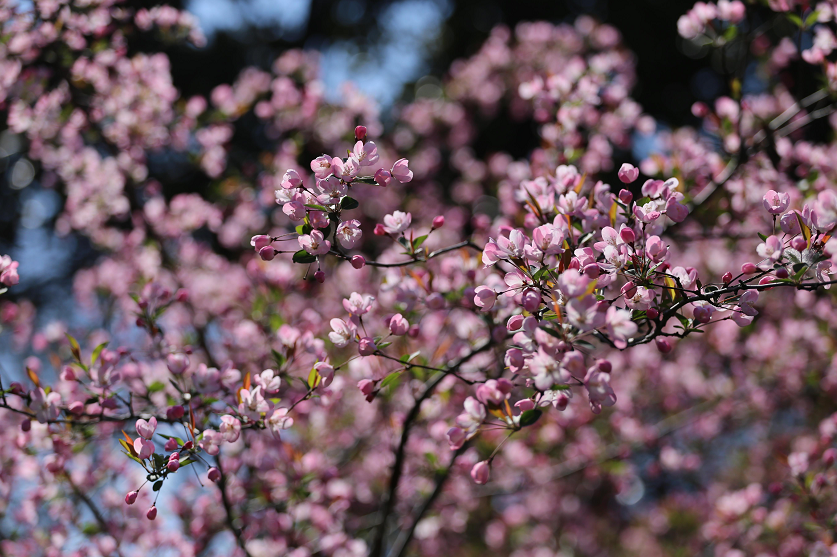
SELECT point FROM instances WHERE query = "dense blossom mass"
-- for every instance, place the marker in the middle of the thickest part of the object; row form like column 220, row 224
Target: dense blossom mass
column 368, row 340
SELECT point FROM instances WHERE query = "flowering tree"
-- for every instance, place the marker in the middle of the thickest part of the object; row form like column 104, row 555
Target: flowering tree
column 366, row 341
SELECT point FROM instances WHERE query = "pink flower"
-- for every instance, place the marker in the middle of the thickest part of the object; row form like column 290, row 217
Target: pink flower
column 357, row 305
column 598, row 388
column 326, row 372
column 398, row 325
column 349, row 233
column 252, row 404
column 321, row 166
column 771, row 249
column 314, row 243
column 494, row 391
column 383, row 177
column 400, row 171
column 291, row 180
column 278, row 421
column 397, row 222
column 619, row 325
column 366, row 387
column 341, row 333
column 213, row 474
column 776, row 203
column 647, row 213
column 366, row 346
column 656, row 249
column 675, row 210
column 345, row 170
column 585, row 313
column 146, row 429
column 365, row 153
column 8, row 271
column 230, row 428
column 628, row 173
column 573, row 284
column 131, row 497
column 456, row 437
column 642, row 299
column 143, row 447
column 480, row 472
column 484, row 298
column 152, row 513
column 177, row 363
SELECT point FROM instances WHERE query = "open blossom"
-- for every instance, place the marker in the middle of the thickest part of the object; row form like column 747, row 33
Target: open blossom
column 473, row 416
column 776, row 203
column 230, row 428
column 771, row 249
column 598, row 388
column 291, row 180
column 620, row 327
column 656, row 249
column 331, row 189
column 314, row 243
column 211, row 442
column 146, row 429
column 143, row 447
column 494, row 391
column 365, row 153
column 585, row 313
column 45, row 406
column 279, row 420
column 8, row 271
column 268, row 380
column 252, row 403
column 642, row 299
column 345, row 170
column 358, row 304
column 341, row 333
column 401, row 172
column 321, row 166
column 349, row 233
column 397, row 222
column 647, row 213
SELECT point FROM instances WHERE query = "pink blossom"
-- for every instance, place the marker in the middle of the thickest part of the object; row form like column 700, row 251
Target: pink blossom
column 398, row 326
column 776, row 203
column 365, row 153
column 480, row 472
column 484, row 298
column 771, row 249
column 230, row 428
column 146, row 429
column 279, row 420
column 357, row 304
column 400, row 171
column 349, row 233
column 628, row 173
column 397, row 222
column 143, row 447
column 314, row 243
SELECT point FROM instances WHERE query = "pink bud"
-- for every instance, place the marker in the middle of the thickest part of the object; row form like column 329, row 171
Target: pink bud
column 414, row 331
column 170, row 445
column 358, row 262
column 456, row 437
column 360, row 133
column 438, row 222
column 25, row 425
column 628, row 173
column 799, row 243
column 765, row 280
column 782, row 273
column 652, row 313
column 829, row 457
column 213, row 474
column 727, row 278
column 627, row 234
column 398, row 325
column 151, row 514
column 435, row 301
column 175, row 412
column 663, row 345
column 700, row 110
column 177, row 363
column 76, row 408
column 604, row 366
column 531, row 300
column 131, row 497
column 525, row 404
column 319, row 276
column 181, row 295
column 174, row 456
column 366, row 386
column 629, row 289
column 379, row 230
column 383, row 177
column 749, row 268
column 515, row 322
column 68, row 374
column 480, row 472
column 187, row 446
column 626, row 197
column 173, row 465
column 366, row 346
column 702, row 314
column 260, row 241
column 267, row 253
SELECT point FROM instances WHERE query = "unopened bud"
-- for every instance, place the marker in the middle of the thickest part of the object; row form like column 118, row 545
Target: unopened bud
column 358, row 262
column 782, row 273
column 799, row 243
column 151, row 514
column 438, row 222
column 267, row 253
column 627, row 235
column 379, row 230
column 626, row 197
column 663, row 345
column 213, row 474
column 173, row 465
column 727, row 278
column 629, row 289
column 360, row 133
column 319, row 276
column 652, row 313
column 749, row 268
column 131, row 497
column 175, row 412
column 260, row 241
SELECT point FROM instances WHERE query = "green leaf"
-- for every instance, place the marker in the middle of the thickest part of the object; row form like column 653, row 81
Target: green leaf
column 157, row 485
column 419, row 241
column 384, row 345
column 795, row 19
column 408, row 357
column 317, row 207
column 529, row 417
column 279, row 358
column 156, row 387
column 304, row 229
column 731, row 33
column 762, row 236
column 812, row 18
column 96, row 352
column 186, row 462
column 391, row 380
column 303, row 257
column 349, row 203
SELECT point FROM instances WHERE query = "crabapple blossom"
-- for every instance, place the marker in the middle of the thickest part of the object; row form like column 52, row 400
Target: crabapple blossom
column 397, row 222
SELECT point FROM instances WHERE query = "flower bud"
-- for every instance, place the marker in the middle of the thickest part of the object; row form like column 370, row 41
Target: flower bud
column 366, row 386
column 358, row 261
column 152, row 513
column 829, row 457
column 604, row 366
column 267, row 253
column 799, row 243
column 702, row 314
column 515, row 322
column 131, row 497
column 366, row 346
column 629, row 289
column 383, row 177
column 76, row 408
column 438, row 222
column 319, row 276
column 398, row 325
column 414, row 331
column 628, row 173
column 175, row 412
column 173, row 465
column 663, row 345
column 188, row 445
column 627, row 235
column 360, row 133
column 435, row 301
column 749, row 268
column 652, row 313
column 379, row 230
column 181, row 295
column 700, row 110
column 530, row 300
column 727, row 278
column 260, row 241
column 480, row 472
column 177, row 363
column 782, row 273
column 170, row 445
column 213, row 474
column 25, row 425
column 525, row 404
column 626, row 197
